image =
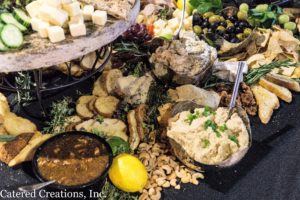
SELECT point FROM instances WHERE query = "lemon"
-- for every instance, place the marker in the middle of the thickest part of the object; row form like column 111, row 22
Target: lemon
column 128, row 173
column 189, row 8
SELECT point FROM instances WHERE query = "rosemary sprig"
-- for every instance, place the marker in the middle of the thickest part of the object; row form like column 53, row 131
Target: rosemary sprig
column 255, row 74
column 7, row 138
column 59, row 112
column 129, row 47
column 23, row 84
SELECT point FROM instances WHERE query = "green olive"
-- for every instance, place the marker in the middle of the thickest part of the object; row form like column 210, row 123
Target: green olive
column 208, row 14
column 221, row 28
column 205, row 30
column 214, row 18
column 242, row 15
column 240, row 36
column 230, row 24
column 247, row 31
column 197, row 29
column 222, row 19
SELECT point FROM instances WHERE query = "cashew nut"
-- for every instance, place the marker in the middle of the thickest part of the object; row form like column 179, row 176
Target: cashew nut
column 173, row 182
column 180, row 173
column 160, row 181
column 156, row 196
column 159, row 172
column 177, row 187
column 172, row 176
column 186, row 178
column 166, row 184
column 144, row 196
column 167, row 169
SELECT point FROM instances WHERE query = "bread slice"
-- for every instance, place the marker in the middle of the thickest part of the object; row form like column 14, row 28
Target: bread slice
column 267, row 102
column 10, row 150
column 134, row 139
column 283, row 81
column 106, row 106
column 82, row 106
column 110, row 80
column 123, row 83
column 15, row 125
column 281, row 92
column 99, row 87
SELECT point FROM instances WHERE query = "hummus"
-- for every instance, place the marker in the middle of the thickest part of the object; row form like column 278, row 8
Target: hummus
column 206, row 136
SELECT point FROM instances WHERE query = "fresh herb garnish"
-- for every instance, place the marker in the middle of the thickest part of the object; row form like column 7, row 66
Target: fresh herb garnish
column 208, row 111
column 223, row 128
column 205, row 143
column 100, row 119
column 118, row 145
column 204, row 6
column 256, row 73
column 7, row 138
column 233, row 138
column 23, row 84
column 59, row 113
column 110, row 192
column 213, row 126
column 191, row 117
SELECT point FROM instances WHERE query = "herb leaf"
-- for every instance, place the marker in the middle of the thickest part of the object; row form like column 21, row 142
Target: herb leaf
column 205, row 143
column 191, row 117
column 100, row 119
column 233, row 138
column 208, row 111
column 207, row 5
column 7, row 138
column 223, row 128
column 213, row 126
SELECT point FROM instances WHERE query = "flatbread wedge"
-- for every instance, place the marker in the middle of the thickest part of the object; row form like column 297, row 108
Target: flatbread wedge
column 134, row 139
column 283, row 81
column 267, row 102
column 116, row 8
column 15, row 125
column 281, row 92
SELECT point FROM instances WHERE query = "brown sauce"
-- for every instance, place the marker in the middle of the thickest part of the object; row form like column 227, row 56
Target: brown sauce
column 73, row 160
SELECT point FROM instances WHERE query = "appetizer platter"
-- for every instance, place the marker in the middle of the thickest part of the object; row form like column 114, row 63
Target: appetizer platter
column 186, row 94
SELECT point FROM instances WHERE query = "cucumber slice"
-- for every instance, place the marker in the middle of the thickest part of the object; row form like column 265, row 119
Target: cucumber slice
column 8, row 18
column 3, row 47
column 21, row 16
column 11, row 36
column 1, row 26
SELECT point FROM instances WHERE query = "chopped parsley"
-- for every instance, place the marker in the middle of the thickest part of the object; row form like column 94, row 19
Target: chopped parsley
column 208, row 111
column 205, row 143
column 100, row 119
column 191, row 117
column 223, row 128
column 213, row 126
column 233, row 138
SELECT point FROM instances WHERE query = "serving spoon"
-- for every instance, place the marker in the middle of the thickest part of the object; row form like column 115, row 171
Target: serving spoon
column 176, row 36
column 37, row 186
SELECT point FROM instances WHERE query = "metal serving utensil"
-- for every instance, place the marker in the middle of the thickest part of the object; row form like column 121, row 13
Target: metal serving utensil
column 238, row 79
column 33, row 187
column 176, row 37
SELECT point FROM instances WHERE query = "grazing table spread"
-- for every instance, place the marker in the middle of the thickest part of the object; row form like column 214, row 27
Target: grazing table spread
column 103, row 99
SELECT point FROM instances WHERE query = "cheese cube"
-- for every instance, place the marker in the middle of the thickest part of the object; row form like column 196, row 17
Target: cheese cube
column 88, row 11
column 33, row 8
column 77, row 29
column 160, row 24
column 54, row 3
column 76, row 19
column 56, row 34
column 99, row 17
column 42, row 29
column 35, row 22
column 53, row 15
column 173, row 23
column 66, row 1
column 72, row 9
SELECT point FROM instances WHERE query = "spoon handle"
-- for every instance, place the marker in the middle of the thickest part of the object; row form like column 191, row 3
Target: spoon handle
column 35, row 186
column 238, row 80
column 182, row 19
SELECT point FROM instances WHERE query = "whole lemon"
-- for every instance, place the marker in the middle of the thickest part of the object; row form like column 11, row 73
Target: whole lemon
column 128, row 173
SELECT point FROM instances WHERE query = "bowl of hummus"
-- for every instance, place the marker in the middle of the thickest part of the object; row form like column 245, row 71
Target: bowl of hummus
column 207, row 138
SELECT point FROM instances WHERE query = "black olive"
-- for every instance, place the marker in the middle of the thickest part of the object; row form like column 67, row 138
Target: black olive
column 236, row 23
column 239, row 30
column 230, row 29
column 234, row 40
column 205, row 24
column 232, row 18
column 220, row 32
column 243, row 24
column 197, row 19
column 223, row 24
column 226, row 37
column 214, row 25
column 210, row 30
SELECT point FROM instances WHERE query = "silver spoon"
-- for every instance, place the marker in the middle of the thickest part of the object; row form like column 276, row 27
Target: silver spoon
column 37, row 186
column 176, row 37
column 238, row 79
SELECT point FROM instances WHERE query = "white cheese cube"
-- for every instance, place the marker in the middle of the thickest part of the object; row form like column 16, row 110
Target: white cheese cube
column 88, row 11
column 56, row 34
column 54, row 3
column 42, row 1
column 35, row 22
column 160, row 24
column 99, row 17
column 53, row 15
column 33, row 8
column 77, row 29
column 76, row 19
column 72, row 9
column 66, row 1
column 166, row 32
column 42, row 29
column 173, row 23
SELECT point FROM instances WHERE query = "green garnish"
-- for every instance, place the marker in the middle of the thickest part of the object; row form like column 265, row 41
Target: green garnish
column 233, row 138
column 204, row 6
column 205, row 143
column 7, row 138
column 223, row 128
column 208, row 111
column 100, row 119
column 256, row 73
column 191, row 117
column 213, row 126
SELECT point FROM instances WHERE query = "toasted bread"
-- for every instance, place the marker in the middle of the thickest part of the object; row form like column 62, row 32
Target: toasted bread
column 106, row 106
column 267, row 102
column 99, row 87
column 82, row 107
column 15, row 125
column 10, row 150
column 283, row 81
column 281, row 92
column 134, row 138
column 140, row 113
column 123, row 83
column 4, row 107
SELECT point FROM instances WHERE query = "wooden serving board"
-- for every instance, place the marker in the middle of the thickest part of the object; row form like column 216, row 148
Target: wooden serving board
column 41, row 53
